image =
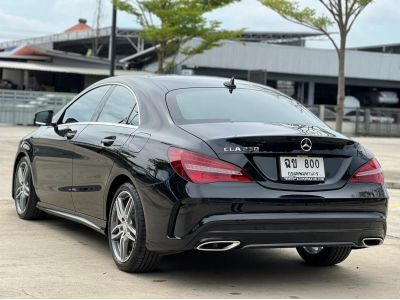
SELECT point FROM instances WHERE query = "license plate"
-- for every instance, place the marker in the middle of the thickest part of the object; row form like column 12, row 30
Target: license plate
column 302, row 168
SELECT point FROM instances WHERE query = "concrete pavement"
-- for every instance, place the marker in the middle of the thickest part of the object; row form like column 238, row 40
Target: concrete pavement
column 57, row 258
column 387, row 151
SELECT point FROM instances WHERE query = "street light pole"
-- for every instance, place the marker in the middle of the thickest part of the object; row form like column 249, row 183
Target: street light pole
column 112, row 46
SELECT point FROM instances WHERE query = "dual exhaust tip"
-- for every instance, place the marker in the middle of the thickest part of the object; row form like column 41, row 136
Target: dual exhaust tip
column 228, row 245
column 217, row 245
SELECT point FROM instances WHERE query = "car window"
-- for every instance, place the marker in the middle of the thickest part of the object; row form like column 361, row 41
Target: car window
column 120, row 107
column 83, row 109
column 134, row 117
column 213, row 105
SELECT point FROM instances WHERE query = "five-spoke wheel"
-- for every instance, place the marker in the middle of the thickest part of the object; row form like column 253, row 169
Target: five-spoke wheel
column 127, row 232
column 123, row 226
column 22, row 190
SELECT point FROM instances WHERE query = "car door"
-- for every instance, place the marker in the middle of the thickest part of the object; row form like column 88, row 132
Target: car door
column 97, row 147
column 54, row 151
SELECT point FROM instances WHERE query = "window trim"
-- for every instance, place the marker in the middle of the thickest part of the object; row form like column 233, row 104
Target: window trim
column 103, row 123
column 104, row 102
column 101, row 105
column 79, row 96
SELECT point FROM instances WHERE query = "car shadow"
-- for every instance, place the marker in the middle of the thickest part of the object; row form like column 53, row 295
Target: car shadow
column 249, row 267
column 235, row 269
column 82, row 234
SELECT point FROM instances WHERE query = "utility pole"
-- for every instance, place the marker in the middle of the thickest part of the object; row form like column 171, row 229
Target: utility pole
column 98, row 15
column 112, row 42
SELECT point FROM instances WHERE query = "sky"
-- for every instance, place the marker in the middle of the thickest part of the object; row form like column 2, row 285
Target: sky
column 378, row 24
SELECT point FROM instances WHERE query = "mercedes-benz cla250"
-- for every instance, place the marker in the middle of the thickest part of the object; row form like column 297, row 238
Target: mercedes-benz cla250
column 167, row 164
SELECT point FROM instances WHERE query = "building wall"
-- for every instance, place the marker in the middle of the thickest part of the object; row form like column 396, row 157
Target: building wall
column 297, row 61
column 15, row 76
column 90, row 79
column 77, row 63
column 308, row 89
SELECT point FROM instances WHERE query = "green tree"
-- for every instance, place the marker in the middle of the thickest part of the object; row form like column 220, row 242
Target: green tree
column 172, row 23
column 343, row 13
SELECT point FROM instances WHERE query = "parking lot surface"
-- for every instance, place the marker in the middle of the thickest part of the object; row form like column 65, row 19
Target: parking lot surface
column 55, row 258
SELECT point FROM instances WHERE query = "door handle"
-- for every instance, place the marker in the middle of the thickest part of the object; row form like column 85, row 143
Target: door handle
column 70, row 134
column 108, row 141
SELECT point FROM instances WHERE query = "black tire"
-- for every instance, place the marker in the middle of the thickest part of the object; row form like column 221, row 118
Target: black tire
column 30, row 211
column 328, row 256
column 141, row 259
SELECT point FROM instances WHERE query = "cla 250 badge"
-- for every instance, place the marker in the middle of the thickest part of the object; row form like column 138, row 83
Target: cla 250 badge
column 241, row 149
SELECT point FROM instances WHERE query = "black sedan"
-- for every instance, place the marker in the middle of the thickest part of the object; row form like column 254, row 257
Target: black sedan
column 164, row 164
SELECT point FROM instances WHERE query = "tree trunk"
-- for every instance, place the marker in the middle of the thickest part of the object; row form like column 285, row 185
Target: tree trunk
column 161, row 57
column 341, row 83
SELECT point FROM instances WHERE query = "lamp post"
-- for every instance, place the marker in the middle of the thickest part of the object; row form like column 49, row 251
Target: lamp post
column 112, row 42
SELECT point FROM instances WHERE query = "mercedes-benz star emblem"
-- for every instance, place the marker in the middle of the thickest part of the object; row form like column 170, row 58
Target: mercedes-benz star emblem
column 306, row 144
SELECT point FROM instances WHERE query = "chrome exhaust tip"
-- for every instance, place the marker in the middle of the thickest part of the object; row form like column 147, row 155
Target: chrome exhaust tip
column 370, row 242
column 217, row 245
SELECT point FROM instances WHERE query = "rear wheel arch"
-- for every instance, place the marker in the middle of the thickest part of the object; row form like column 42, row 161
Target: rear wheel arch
column 116, row 183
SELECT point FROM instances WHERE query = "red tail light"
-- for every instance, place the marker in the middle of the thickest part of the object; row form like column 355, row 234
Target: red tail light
column 370, row 172
column 200, row 168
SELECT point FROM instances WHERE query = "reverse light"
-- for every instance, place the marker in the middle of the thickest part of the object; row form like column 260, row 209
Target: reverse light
column 370, row 172
column 200, row 168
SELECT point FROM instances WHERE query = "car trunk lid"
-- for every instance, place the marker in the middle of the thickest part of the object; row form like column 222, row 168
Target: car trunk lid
column 258, row 147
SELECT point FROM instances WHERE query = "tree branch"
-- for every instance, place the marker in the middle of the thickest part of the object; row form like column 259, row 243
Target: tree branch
column 349, row 12
column 361, row 8
column 143, row 13
column 312, row 27
column 351, row 8
column 331, row 9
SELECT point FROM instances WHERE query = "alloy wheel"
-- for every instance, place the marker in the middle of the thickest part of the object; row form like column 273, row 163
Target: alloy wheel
column 313, row 250
column 123, row 226
column 22, row 190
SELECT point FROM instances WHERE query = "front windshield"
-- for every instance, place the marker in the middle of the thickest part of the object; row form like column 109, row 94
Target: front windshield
column 214, row 105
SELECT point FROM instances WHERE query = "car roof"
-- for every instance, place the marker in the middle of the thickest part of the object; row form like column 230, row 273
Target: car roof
column 172, row 82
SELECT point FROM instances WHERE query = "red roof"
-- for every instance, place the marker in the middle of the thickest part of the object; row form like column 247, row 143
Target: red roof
column 28, row 51
column 79, row 27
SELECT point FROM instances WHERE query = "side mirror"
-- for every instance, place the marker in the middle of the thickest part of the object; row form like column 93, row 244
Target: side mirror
column 43, row 118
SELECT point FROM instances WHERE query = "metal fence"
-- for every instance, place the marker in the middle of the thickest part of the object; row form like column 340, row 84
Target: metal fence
column 19, row 107
column 371, row 121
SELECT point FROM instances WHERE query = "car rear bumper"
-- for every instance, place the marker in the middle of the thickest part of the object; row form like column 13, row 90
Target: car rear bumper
column 269, row 218
column 269, row 230
column 290, row 229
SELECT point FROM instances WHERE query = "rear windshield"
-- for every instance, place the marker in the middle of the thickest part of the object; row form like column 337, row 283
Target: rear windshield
column 214, row 105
